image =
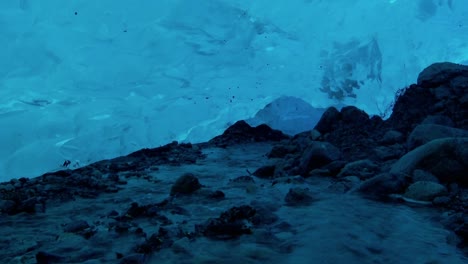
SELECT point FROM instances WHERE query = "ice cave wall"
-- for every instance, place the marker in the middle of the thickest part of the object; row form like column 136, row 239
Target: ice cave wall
column 89, row 80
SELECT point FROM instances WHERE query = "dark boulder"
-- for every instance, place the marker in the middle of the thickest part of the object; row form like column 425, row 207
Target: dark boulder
column 265, row 172
column 445, row 158
column 441, row 91
column 442, row 73
column 383, row 185
column 185, row 184
column 241, row 132
column 317, row 155
column 328, row 121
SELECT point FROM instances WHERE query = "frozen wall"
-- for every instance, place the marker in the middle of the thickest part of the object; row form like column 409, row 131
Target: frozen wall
column 87, row 80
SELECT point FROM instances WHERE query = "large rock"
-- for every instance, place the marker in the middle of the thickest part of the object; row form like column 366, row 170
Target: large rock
column 382, row 185
column 298, row 196
column 316, row 155
column 440, row 73
column 351, row 130
column 441, row 91
column 428, row 132
column 185, row 184
column 241, row 133
column 348, row 116
column 425, row 191
column 328, row 121
column 445, row 158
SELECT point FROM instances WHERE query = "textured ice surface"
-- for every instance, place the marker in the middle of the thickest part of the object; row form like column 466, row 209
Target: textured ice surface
column 86, row 80
column 289, row 114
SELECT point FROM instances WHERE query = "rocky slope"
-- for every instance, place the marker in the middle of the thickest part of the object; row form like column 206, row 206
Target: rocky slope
column 352, row 190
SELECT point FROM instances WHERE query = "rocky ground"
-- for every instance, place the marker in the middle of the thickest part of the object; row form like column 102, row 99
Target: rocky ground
column 356, row 189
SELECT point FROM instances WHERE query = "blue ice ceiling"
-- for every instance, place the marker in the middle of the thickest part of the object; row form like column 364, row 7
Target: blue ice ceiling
column 88, row 80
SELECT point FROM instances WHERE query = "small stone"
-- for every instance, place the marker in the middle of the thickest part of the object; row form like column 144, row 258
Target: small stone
column 243, row 179
column 298, row 196
column 251, row 189
column 45, row 258
column 216, row 195
column 385, row 153
column 76, row 226
column 265, row 172
column 364, row 169
column 113, row 213
column 185, row 184
column 264, row 216
column 345, row 184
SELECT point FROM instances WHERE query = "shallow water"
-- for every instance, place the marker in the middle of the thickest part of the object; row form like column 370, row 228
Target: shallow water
column 348, row 229
column 334, row 228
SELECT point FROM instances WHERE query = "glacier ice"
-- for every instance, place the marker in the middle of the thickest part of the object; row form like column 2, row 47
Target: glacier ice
column 289, row 114
column 89, row 80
